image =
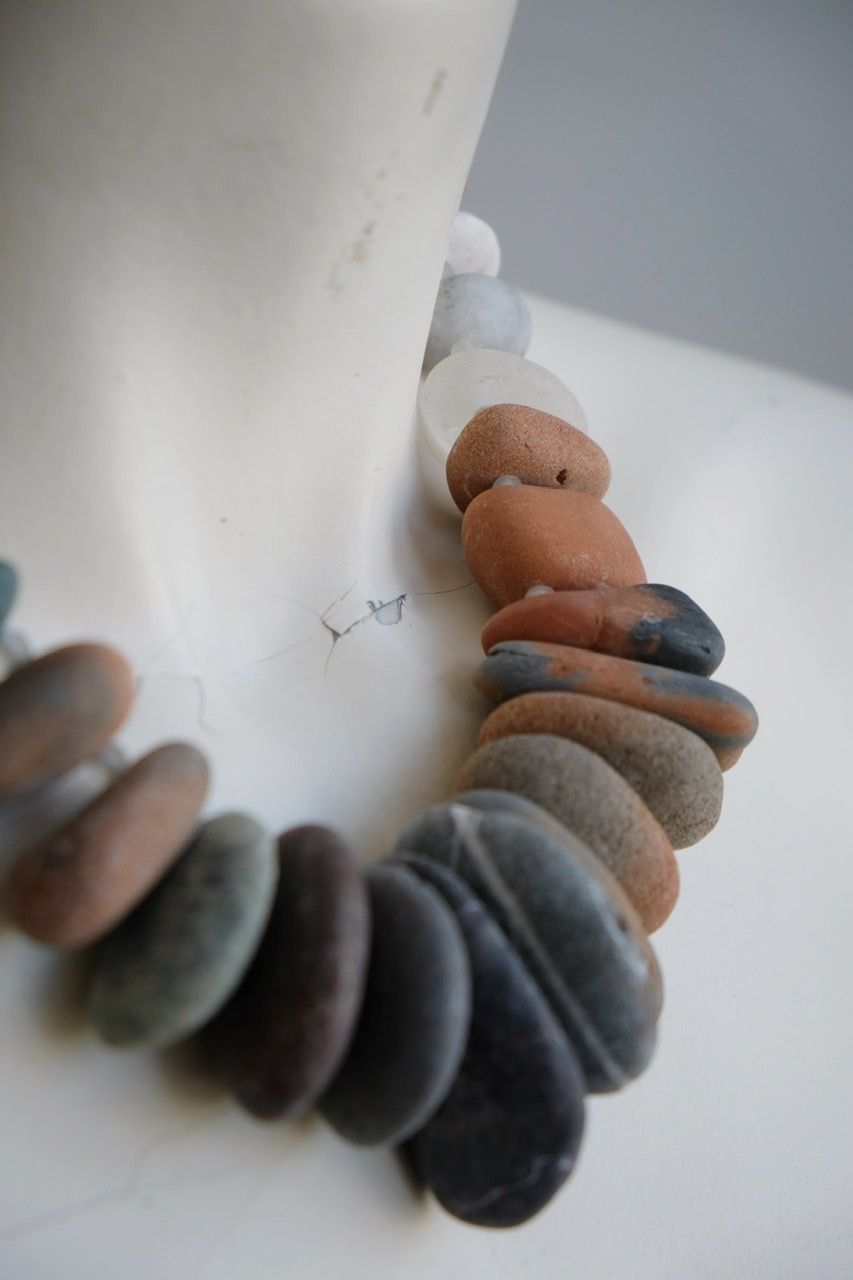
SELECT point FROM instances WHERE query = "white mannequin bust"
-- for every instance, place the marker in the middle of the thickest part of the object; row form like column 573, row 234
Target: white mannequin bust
column 223, row 227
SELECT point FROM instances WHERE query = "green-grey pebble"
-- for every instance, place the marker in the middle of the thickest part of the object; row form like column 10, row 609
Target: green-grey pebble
column 567, row 918
column 174, row 962
column 8, row 589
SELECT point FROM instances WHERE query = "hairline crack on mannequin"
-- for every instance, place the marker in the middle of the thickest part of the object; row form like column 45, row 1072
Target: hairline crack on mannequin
column 223, row 233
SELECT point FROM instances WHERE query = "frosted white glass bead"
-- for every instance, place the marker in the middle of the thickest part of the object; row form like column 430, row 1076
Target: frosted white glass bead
column 480, row 310
column 540, row 590
column 468, row 381
column 473, row 246
column 503, row 481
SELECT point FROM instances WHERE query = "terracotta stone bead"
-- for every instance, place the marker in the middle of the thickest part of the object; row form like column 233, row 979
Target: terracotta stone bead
column 650, row 623
column 724, row 718
column 517, row 537
column 594, row 802
column 59, row 710
column 78, row 885
column 672, row 770
column 539, row 448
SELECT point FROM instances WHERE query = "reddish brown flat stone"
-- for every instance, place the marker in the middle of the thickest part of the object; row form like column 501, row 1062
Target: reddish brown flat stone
column 650, row 622
column 538, row 448
column 517, row 537
column 59, row 710
column 74, row 888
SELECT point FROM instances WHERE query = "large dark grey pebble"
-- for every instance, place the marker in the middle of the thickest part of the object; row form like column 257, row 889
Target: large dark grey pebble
column 506, row 1136
column 414, row 1020
column 176, row 959
column 284, row 1033
column 569, row 921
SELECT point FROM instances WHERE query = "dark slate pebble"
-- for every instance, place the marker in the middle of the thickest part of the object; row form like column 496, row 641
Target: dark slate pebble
column 280, row 1039
column 506, row 1136
column 415, row 1018
column 172, row 963
column 569, row 921
column 8, row 589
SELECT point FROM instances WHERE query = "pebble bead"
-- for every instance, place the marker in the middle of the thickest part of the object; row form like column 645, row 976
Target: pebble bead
column 673, row 771
column 279, row 1041
column 8, row 589
column 569, row 921
column 538, row 448
column 415, row 1018
column 86, row 877
column 462, row 385
column 721, row 716
column 506, row 1136
column 472, row 246
column 174, row 961
column 649, row 623
column 591, row 799
column 58, row 710
column 521, row 537
column 478, row 311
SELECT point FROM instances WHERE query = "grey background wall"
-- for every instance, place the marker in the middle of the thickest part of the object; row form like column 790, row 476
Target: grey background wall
column 683, row 164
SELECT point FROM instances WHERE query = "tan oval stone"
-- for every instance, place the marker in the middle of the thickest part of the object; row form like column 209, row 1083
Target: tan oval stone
column 516, row 537
column 76, row 886
column 672, row 770
column 59, row 710
column 583, row 792
column 515, row 440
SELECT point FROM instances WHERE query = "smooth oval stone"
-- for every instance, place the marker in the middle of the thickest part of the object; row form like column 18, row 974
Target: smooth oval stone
column 538, row 448
column 520, row 537
column 415, row 1017
column 569, row 921
column 472, row 246
column 592, row 800
column 8, row 589
column 58, row 710
column 480, row 311
column 171, row 964
column 672, row 770
column 721, row 716
column 506, row 1136
column 282, row 1036
column 649, row 622
column 87, row 876
column 465, row 383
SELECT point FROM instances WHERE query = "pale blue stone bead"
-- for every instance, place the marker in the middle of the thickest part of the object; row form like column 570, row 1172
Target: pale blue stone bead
column 480, row 311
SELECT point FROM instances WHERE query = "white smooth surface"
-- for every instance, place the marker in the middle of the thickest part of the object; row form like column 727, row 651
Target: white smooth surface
column 731, row 1157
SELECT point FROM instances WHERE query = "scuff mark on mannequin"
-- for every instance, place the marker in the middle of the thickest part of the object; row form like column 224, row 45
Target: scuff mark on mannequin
column 435, row 89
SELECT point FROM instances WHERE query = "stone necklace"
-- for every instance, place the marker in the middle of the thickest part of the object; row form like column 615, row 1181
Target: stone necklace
column 461, row 998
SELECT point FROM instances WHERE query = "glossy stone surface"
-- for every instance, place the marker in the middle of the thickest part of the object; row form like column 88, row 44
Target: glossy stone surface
column 569, row 921
column 506, row 1136
column 472, row 246
column 649, row 623
column 479, row 311
column 86, row 877
column 721, row 716
column 8, row 589
column 520, row 537
column 58, row 710
column 172, row 963
column 281, row 1038
column 538, row 448
column 673, row 771
column 467, row 382
column 593, row 801
column 414, row 1020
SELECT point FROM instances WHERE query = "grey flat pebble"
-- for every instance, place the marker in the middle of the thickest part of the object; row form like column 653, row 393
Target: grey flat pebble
column 176, row 959
column 8, row 589
column 506, row 1136
column 569, row 921
column 282, row 1036
column 414, row 1020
